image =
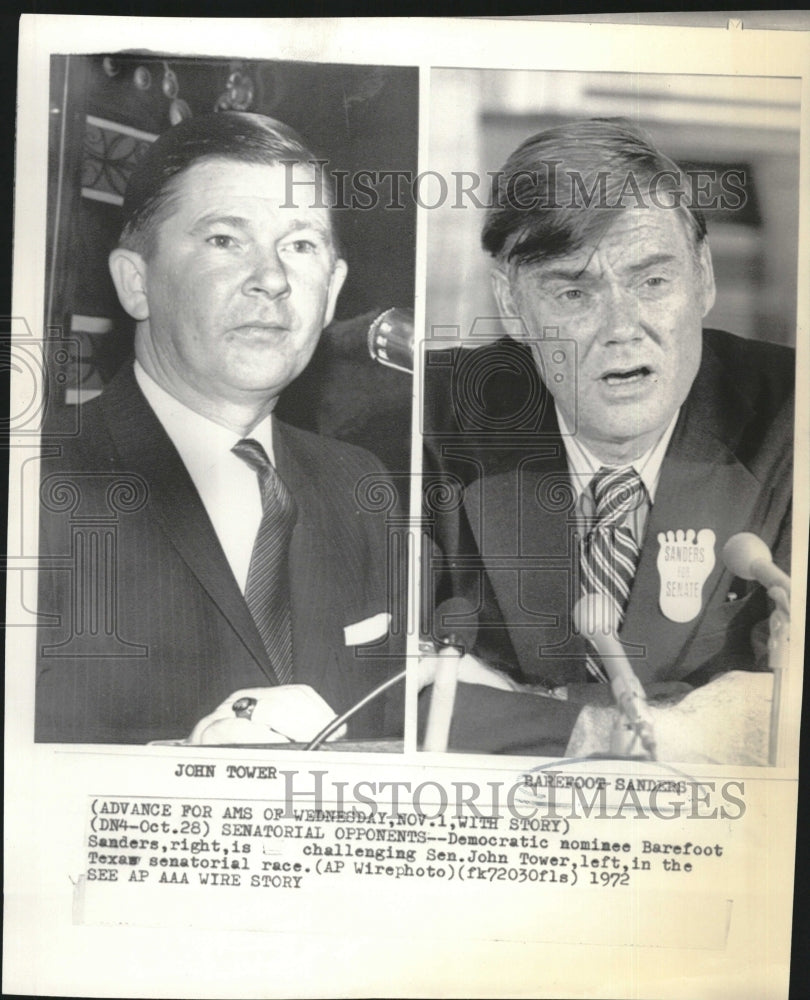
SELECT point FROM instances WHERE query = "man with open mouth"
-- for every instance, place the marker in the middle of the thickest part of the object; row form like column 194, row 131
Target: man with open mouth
column 607, row 448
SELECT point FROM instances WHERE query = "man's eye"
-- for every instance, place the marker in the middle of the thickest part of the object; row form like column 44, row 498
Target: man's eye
column 571, row 294
column 302, row 246
column 655, row 281
column 221, row 241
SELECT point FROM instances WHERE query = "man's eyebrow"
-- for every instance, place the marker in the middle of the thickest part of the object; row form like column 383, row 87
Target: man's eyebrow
column 240, row 222
column 654, row 260
column 297, row 224
column 552, row 273
column 562, row 274
column 215, row 219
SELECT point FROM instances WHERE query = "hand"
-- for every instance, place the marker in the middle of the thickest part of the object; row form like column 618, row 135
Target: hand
column 291, row 713
column 725, row 721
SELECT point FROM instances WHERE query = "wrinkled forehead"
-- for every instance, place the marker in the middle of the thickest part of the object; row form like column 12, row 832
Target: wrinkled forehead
column 294, row 190
column 623, row 237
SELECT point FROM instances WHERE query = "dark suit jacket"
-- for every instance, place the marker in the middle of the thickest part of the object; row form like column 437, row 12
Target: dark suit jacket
column 147, row 630
column 506, row 535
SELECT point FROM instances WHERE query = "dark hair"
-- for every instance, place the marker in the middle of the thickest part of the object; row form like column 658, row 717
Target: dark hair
column 561, row 188
column 232, row 135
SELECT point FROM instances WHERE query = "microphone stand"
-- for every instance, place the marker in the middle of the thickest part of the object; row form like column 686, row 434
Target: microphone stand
column 778, row 656
column 442, row 701
column 747, row 556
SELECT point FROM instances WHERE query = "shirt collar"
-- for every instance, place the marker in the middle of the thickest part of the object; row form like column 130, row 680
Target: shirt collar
column 200, row 441
column 583, row 464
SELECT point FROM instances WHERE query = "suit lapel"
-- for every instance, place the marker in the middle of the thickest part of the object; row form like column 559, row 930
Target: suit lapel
column 314, row 573
column 145, row 448
column 699, row 474
column 699, row 477
column 523, row 520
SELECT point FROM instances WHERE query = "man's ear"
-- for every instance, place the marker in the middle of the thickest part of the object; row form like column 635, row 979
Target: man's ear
column 502, row 290
column 128, row 270
column 339, row 272
column 706, row 272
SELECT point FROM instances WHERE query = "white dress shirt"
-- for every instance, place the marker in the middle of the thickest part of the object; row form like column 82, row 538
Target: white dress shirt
column 228, row 487
column 583, row 466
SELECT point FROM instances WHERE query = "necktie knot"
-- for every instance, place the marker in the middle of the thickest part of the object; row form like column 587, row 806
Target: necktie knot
column 616, row 492
column 275, row 495
column 253, row 453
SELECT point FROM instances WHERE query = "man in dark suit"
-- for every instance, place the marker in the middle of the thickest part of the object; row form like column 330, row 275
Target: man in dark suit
column 611, row 447
column 192, row 545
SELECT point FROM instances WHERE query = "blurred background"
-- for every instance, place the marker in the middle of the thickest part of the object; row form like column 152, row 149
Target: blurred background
column 105, row 112
column 478, row 117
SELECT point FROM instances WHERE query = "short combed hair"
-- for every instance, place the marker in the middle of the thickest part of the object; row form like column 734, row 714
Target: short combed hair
column 231, row 135
column 560, row 189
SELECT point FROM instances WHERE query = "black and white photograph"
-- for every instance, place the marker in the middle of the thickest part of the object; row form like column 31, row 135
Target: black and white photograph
column 608, row 411
column 408, row 507
column 215, row 559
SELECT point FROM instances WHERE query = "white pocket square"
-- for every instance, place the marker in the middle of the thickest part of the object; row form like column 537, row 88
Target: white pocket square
column 367, row 630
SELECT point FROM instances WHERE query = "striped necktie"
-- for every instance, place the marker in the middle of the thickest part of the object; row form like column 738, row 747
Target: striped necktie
column 610, row 554
column 268, row 591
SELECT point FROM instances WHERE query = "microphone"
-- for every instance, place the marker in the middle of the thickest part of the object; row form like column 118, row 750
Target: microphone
column 390, row 339
column 747, row 556
column 593, row 618
column 337, row 722
column 456, row 638
column 449, row 631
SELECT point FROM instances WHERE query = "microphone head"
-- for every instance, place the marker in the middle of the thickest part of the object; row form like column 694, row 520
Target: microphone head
column 390, row 339
column 742, row 551
column 455, row 623
column 594, row 615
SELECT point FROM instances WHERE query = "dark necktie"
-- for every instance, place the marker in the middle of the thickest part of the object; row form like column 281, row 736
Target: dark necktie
column 268, row 591
column 609, row 554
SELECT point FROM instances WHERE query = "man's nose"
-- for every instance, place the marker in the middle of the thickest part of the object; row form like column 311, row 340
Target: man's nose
column 620, row 319
column 267, row 275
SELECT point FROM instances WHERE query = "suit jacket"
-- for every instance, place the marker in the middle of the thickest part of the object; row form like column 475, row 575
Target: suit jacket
column 146, row 630
column 506, row 533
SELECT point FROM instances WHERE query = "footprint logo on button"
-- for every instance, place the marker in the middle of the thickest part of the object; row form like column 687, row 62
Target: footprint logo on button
column 685, row 560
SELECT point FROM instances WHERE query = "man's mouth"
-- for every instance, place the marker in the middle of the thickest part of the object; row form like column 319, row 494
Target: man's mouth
column 625, row 376
column 262, row 324
column 259, row 327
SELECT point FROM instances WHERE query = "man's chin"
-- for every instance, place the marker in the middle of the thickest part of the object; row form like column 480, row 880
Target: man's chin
column 256, row 383
column 621, row 438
